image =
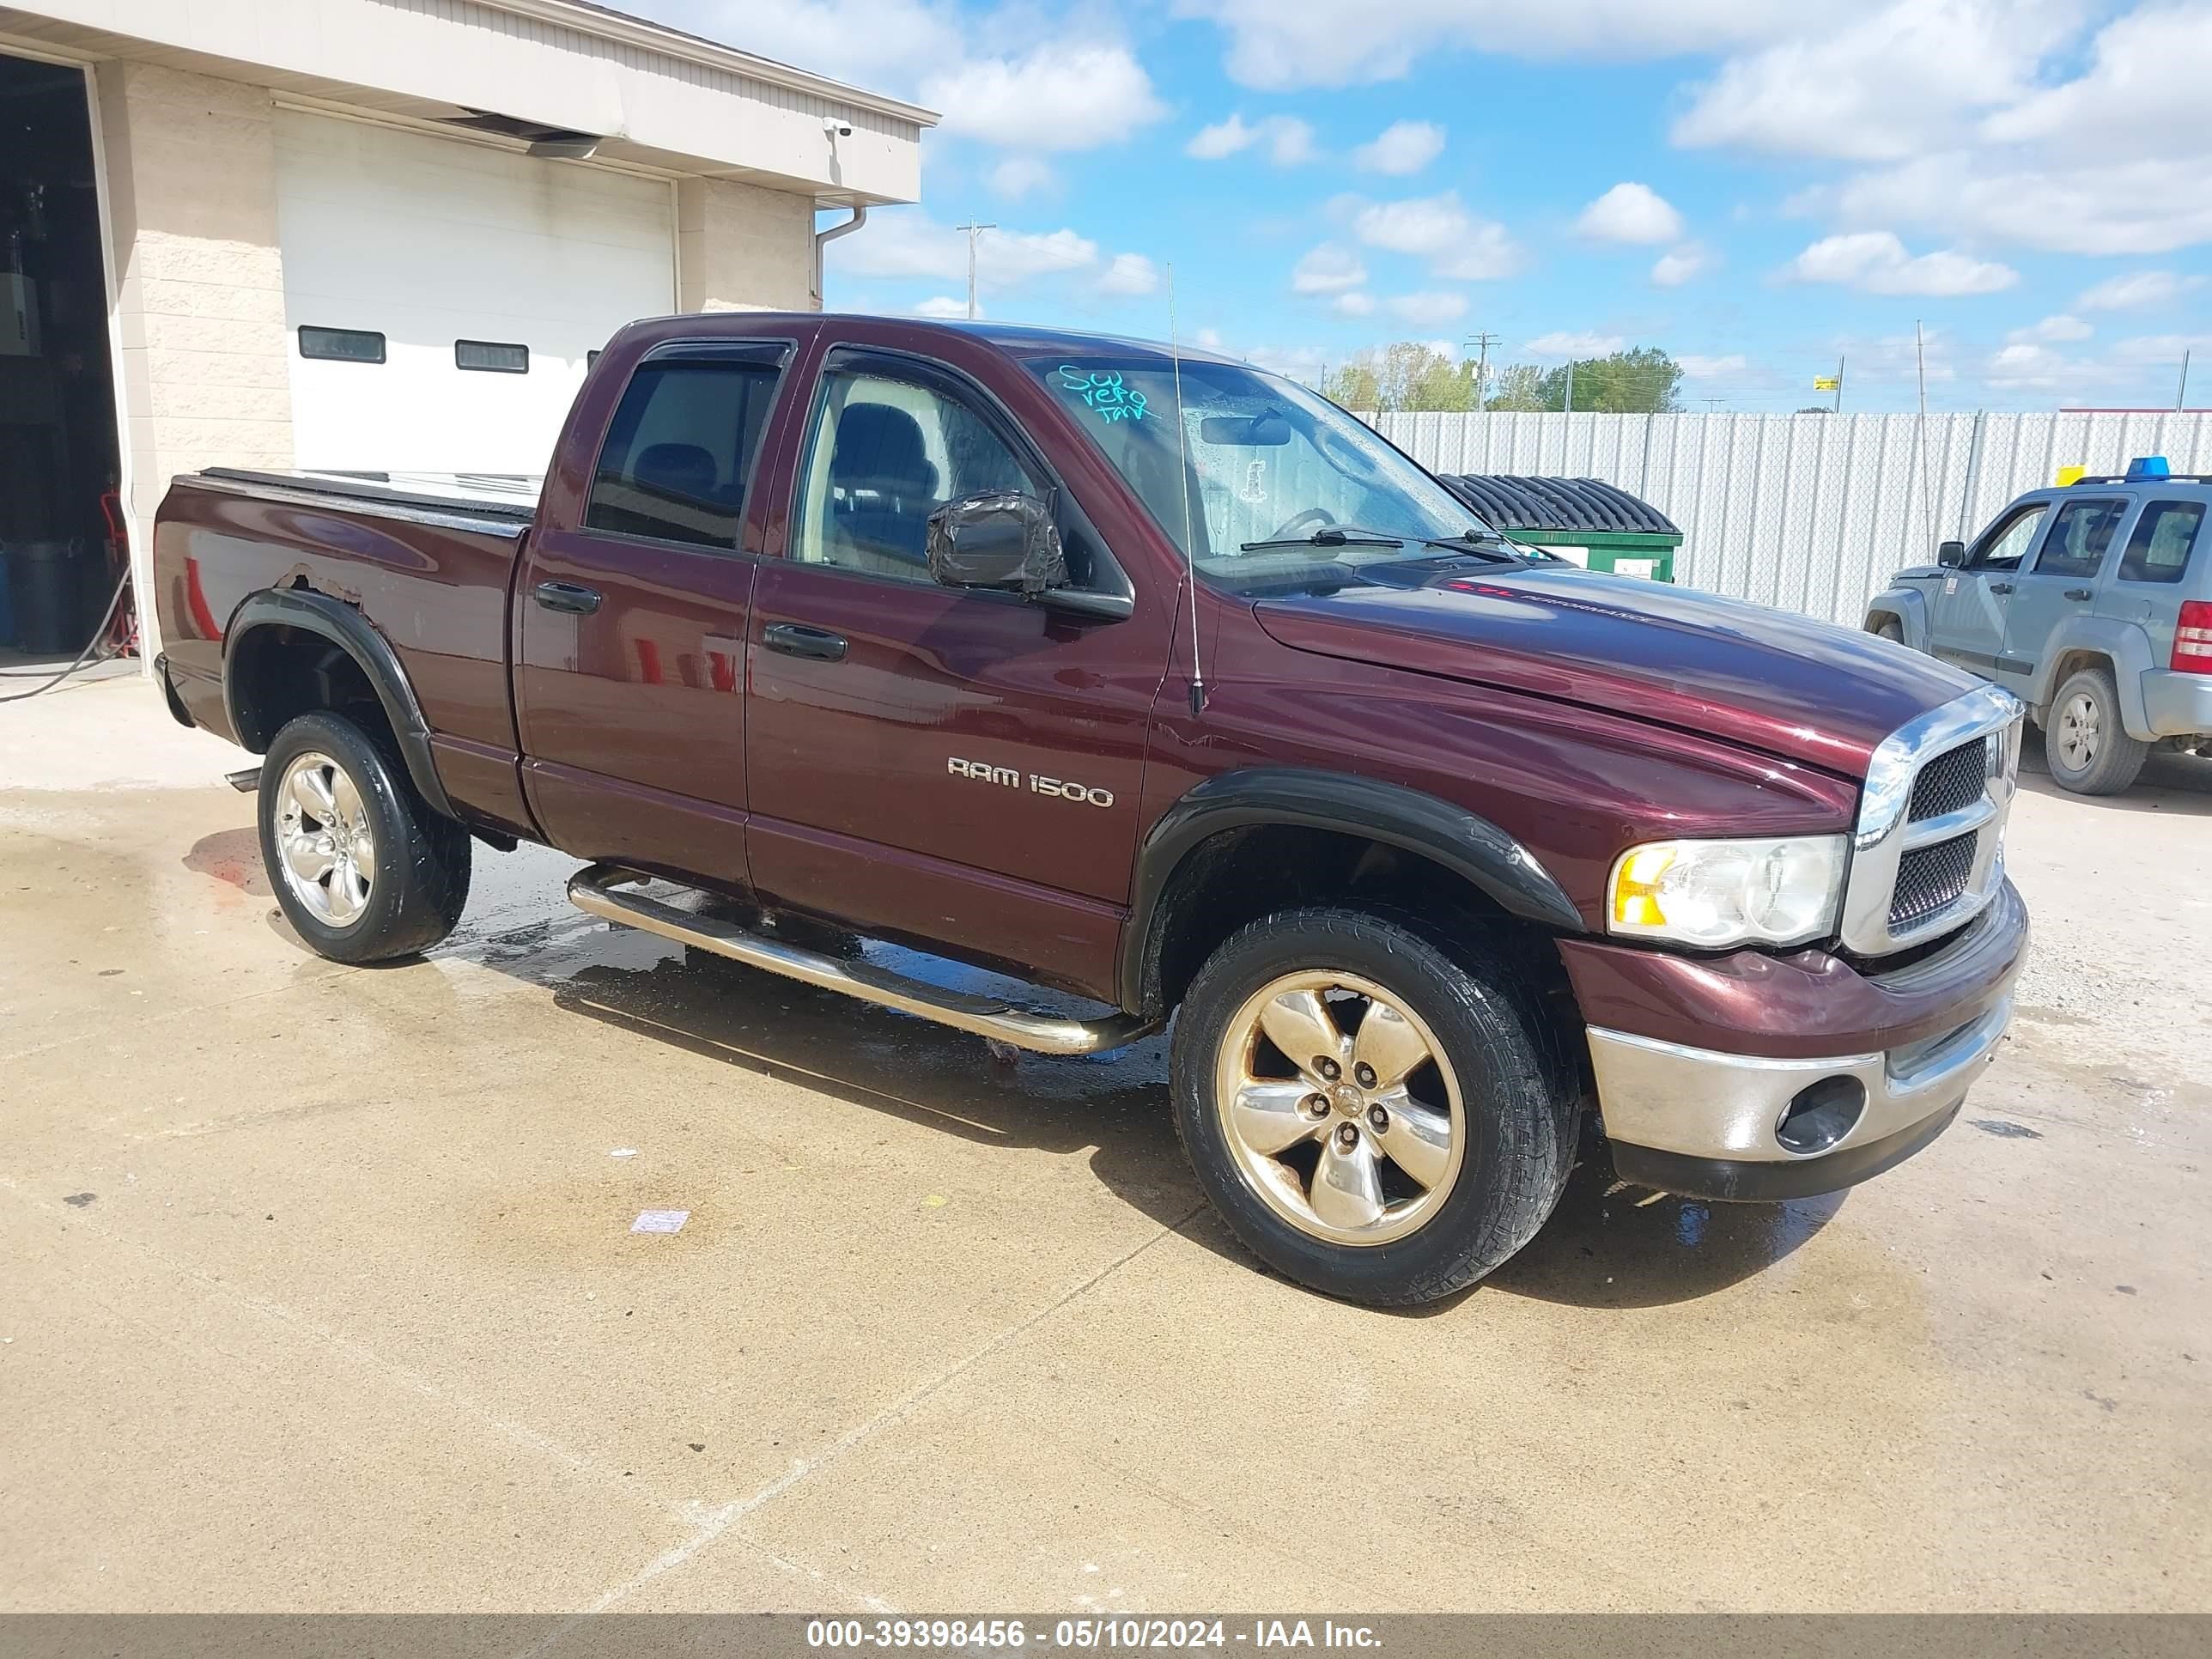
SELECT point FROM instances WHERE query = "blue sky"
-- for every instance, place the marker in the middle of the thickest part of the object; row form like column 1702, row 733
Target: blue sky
column 1755, row 188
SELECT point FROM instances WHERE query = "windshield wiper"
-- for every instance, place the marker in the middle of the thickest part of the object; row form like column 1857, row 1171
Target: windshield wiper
column 1328, row 535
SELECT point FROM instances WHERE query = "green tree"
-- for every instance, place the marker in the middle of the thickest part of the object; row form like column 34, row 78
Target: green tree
column 1518, row 388
column 1406, row 376
column 1644, row 381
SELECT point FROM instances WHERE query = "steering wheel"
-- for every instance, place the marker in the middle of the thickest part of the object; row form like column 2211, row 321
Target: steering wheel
column 1321, row 516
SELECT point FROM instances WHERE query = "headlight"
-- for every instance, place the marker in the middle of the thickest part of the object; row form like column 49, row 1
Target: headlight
column 1728, row 892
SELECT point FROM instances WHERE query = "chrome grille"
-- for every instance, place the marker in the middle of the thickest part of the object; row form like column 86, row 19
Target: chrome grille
column 1951, row 782
column 1928, row 853
column 1929, row 879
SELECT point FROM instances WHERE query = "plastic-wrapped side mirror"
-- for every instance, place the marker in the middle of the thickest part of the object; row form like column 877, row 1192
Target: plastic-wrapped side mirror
column 1004, row 539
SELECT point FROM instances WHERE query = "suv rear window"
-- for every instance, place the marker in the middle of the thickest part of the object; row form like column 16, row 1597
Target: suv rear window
column 2077, row 541
column 2159, row 550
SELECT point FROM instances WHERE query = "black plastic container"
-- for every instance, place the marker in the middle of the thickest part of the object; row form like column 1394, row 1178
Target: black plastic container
column 46, row 588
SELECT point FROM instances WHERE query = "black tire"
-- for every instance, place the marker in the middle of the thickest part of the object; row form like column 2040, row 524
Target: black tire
column 421, row 880
column 2116, row 758
column 1517, row 1084
column 1886, row 628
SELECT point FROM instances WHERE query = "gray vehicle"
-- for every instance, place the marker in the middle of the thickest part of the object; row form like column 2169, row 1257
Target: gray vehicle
column 2093, row 604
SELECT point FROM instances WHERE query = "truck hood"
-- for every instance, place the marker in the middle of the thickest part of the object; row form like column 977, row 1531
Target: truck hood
column 1770, row 680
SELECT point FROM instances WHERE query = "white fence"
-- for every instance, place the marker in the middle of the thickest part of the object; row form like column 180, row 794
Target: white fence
column 1810, row 512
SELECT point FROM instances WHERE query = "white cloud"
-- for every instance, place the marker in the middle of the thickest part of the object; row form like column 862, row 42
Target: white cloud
column 1679, row 265
column 2142, row 207
column 1018, row 176
column 2160, row 348
column 2143, row 91
column 1354, row 304
column 1875, row 261
column 1130, row 274
column 1401, row 148
column 1428, row 310
column 1584, row 344
column 1630, row 213
column 1697, row 368
column 1061, row 96
column 2061, row 327
column 943, row 306
column 2023, row 366
column 1883, row 85
column 1458, row 246
column 909, row 243
column 1289, row 141
column 1327, row 269
column 2141, row 288
column 1283, row 44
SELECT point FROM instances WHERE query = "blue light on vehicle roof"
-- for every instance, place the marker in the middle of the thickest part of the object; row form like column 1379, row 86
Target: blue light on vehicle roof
column 2148, row 466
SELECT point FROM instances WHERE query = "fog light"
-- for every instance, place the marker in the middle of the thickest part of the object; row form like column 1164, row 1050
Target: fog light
column 1820, row 1113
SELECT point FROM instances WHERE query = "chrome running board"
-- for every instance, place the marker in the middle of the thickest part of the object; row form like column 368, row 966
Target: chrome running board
column 592, row 889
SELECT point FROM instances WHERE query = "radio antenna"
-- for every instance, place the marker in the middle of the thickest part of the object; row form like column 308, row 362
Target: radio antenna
column 1183, row 481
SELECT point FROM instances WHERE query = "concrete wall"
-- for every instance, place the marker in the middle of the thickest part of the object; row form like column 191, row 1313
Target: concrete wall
column 191, row 184
column 740, row 247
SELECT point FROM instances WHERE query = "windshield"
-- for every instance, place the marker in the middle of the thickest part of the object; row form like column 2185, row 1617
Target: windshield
column 1285, row 487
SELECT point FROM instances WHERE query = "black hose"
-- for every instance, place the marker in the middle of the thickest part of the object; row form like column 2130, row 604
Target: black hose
column 83, row 656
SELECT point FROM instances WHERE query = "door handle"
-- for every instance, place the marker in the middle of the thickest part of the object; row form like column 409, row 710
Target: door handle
column 568, row 596
column 798, row 639
column 2078, row 593
column 2000, row 587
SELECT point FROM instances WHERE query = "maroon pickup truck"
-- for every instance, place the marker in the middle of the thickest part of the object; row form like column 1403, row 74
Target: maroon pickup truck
column 1166, row 685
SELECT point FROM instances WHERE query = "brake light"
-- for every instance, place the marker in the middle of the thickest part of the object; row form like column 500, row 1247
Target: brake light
column 2192, row 637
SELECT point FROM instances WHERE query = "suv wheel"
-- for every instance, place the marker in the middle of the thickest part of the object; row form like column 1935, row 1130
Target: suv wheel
column 1374, row 1116
column 2088, row 750
column 364, row 869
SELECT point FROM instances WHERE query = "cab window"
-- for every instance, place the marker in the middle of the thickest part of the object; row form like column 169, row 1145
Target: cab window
column 680, row 450
column 2079, row 536
column 2005, row 544
column 883, row 455
column 2157, row 551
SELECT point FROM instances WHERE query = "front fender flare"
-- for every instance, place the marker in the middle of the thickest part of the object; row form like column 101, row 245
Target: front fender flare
column 1309, row 798
column 1908, row 606
column 346, row 628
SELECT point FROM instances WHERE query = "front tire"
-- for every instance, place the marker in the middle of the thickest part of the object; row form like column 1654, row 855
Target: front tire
column 2088, row 750
column 1377, row 1114
column 364, row 869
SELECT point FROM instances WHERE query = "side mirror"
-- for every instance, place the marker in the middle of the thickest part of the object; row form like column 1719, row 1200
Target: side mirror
column 1951, row 555
column 1004, row 539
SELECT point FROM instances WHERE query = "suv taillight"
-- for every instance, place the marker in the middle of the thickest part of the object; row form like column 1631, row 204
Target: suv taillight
column 2192, row 637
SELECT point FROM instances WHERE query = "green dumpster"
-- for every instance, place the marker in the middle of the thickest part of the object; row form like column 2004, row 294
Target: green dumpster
column 1586, row 520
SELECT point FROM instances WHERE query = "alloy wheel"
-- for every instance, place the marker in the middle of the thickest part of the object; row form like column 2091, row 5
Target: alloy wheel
column 2078, row 731
column 1340, row 1108
column 324, row 842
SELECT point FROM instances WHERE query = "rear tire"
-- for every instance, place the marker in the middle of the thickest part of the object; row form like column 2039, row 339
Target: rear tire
column 1886, row 628
column 2088, row 750
column 1484, row 1121
column 364, row 869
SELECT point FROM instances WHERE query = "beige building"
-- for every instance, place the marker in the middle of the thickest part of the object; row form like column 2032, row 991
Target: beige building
column 370, row 234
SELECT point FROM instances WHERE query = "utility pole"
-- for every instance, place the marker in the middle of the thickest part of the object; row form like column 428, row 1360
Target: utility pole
column 1712, row 404
column 1920, row 358
column 1839, row 409
column 1571, row 387
column 972, row 230
column 2181, row 394
column 1481, row 343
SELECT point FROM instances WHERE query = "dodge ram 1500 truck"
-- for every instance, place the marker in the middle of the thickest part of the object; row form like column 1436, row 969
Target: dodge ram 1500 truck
column 1162, row 682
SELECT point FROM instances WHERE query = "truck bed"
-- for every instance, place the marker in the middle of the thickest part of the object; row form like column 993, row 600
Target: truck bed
column 508, row 497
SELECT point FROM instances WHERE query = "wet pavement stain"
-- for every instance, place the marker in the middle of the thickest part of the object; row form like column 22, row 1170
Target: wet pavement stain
column 232, row 857
column 2005, row 1130
column 78, row 1200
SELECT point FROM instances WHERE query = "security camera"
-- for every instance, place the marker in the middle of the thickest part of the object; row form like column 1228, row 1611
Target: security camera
column 836, row 129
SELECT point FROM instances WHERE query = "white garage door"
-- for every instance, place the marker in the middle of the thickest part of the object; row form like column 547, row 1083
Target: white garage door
column 451, row 251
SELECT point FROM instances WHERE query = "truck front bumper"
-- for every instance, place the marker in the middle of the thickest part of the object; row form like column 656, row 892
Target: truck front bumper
column 1758, row 1078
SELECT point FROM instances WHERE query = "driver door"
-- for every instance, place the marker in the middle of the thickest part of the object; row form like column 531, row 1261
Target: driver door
column 955, row 766
column 1968, row 627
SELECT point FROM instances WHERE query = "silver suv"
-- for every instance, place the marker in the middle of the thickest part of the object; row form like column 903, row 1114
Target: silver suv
column 2086, row 603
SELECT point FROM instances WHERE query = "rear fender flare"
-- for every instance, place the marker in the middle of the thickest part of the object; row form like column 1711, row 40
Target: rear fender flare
column 346, row 628
column 1306, row 798
column 2125, row 649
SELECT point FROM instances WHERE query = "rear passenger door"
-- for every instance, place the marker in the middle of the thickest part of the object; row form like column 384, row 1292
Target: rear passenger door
column 2060, row 582
column 630, row 626
column 2153, row 577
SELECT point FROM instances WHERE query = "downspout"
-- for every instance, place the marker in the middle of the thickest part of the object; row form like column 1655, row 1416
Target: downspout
column 821, row 239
